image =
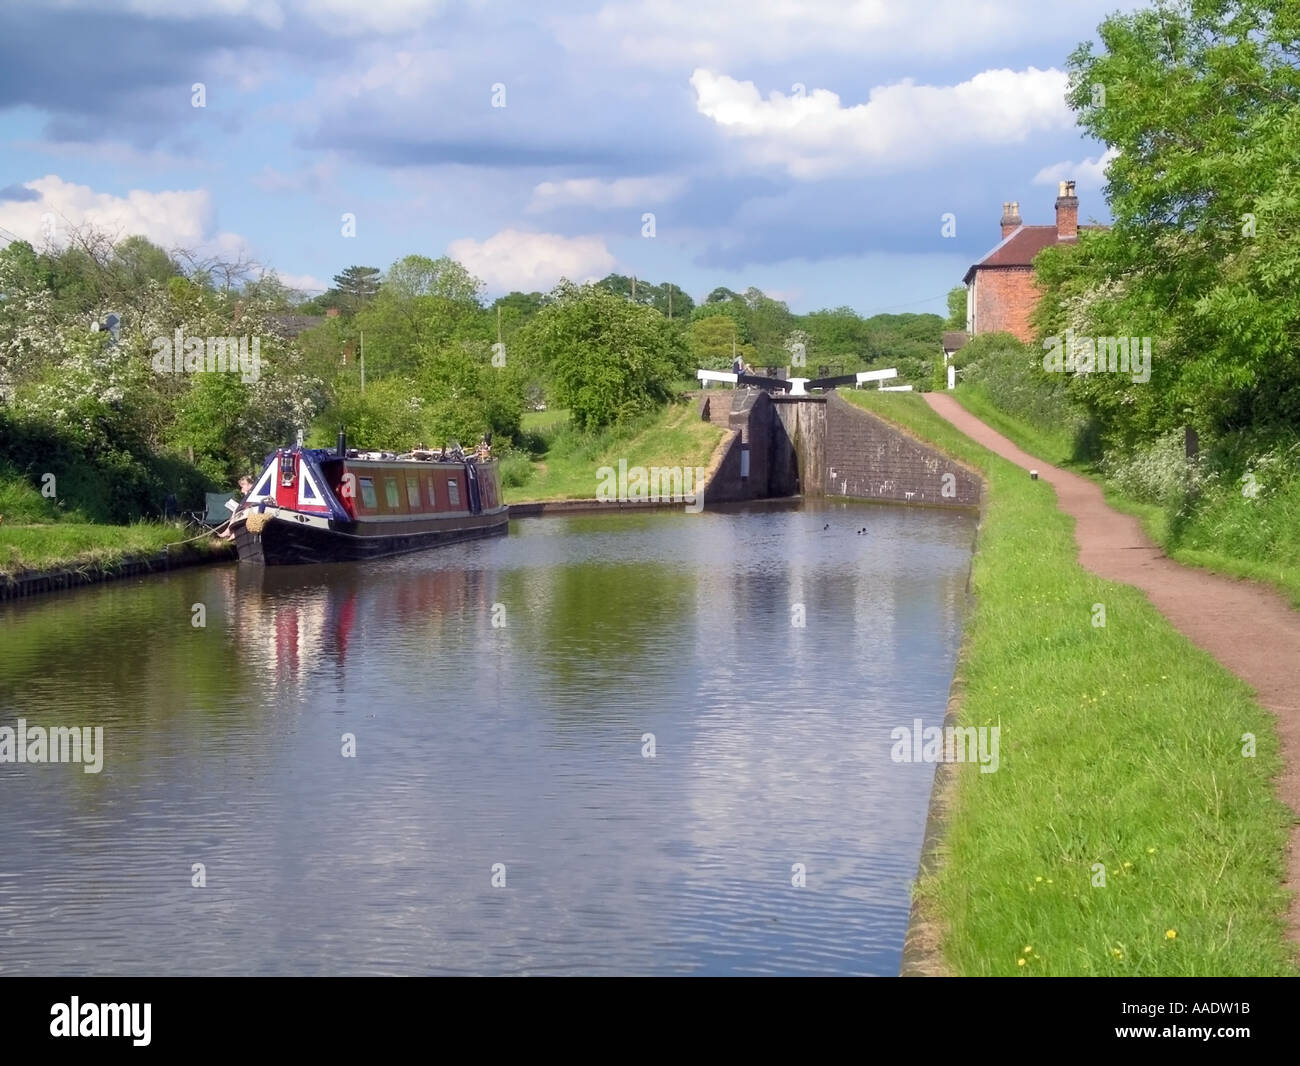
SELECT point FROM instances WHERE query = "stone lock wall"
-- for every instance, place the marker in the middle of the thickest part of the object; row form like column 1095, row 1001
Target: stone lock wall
column 826, row 446
column 869, row 458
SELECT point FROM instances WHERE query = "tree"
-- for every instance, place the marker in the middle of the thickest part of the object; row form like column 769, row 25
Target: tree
column 423, row 305
column 354, row 288
column 723, row 295
column 672, row 301
column 956, row 308
column 607, row 359
column 418, row 275
column 711, row 340
column 1201, row 113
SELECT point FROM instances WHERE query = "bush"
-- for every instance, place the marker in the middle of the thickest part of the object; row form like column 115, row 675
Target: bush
column 515, row 469
column 1158, row 472
column 1011, row 375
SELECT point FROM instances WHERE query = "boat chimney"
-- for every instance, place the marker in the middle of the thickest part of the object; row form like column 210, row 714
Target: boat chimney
column 343, row 442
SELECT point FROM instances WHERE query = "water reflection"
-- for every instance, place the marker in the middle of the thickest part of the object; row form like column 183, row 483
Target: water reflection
column 477, row 744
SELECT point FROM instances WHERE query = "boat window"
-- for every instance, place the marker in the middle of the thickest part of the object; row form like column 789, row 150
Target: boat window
column 390, row 490
column 453, row 493
column 433, row 496
column 368, row 499
column 413, row 492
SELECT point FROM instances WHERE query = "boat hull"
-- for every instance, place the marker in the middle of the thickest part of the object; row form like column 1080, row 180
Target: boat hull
column 281, row 541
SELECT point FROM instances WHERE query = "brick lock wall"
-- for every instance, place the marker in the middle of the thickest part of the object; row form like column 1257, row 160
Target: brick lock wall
column 868, row 458
column 1004, row 298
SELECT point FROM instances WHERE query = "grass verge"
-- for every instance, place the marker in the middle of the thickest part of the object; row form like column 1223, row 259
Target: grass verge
column 1201, row 539
column 75, row 545
column 1124, row 833
column 565, row 462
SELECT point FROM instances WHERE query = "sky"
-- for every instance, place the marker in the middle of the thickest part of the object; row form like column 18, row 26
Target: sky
column 811, row 149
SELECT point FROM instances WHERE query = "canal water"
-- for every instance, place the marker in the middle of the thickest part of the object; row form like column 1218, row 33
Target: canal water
column 611, row 744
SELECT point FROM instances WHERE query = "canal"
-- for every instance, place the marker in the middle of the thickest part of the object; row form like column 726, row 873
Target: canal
column 639, row 743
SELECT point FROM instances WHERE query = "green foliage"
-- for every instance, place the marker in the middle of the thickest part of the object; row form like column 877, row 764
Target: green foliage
column 1009, row 376
column 710, row 339
column 1202, row 103
column 956, row 308
column 608, row 360
column 353, row 289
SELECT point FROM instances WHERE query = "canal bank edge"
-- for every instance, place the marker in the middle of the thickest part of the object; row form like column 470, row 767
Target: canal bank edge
column 1178, row 907
column 25, row 583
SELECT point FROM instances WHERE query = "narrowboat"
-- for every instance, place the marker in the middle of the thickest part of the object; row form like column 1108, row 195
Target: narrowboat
column 314, row 505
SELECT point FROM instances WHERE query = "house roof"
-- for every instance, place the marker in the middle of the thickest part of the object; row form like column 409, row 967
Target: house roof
column 292, row 325
column 1018, row 248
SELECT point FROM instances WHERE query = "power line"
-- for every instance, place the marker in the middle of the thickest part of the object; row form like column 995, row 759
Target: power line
column 914, row 303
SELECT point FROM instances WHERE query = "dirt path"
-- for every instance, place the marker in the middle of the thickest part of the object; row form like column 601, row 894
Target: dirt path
column 1247, row 627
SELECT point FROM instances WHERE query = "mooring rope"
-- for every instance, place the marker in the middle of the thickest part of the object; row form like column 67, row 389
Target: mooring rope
column 205, row 533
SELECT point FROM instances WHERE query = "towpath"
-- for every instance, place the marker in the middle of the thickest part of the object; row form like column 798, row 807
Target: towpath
column 1249, row 628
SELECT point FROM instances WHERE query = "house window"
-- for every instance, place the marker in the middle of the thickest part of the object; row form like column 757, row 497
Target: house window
column 390, row 491
column 413, row 492
column 368, row 498
column 453, row 493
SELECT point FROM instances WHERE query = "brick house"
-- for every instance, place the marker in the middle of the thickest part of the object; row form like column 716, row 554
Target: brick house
column 1000, row 288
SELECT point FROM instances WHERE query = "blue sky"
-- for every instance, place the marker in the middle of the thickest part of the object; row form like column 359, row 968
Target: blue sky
column 810, row 149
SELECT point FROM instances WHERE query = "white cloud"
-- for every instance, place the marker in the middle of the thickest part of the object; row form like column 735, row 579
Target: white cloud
column 598, row 193
column 901, row 126
column 171, row 219
column 306, row 283
column 514, row 259
column 174, row 219
column 1090, row 174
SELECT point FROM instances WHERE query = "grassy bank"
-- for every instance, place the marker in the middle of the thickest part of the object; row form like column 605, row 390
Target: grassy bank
column 36, row 535
column 1222, row 529
column 76, row 545
column 1121, row 756
column 564, row 462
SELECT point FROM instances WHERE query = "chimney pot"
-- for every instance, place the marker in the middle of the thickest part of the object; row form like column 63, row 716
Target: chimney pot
column 1010, row 217
column 1067, row 213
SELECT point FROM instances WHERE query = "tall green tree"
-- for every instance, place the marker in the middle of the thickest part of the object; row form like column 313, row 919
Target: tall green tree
column 1199, row 101
column 607, row 359
column 354, row 288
